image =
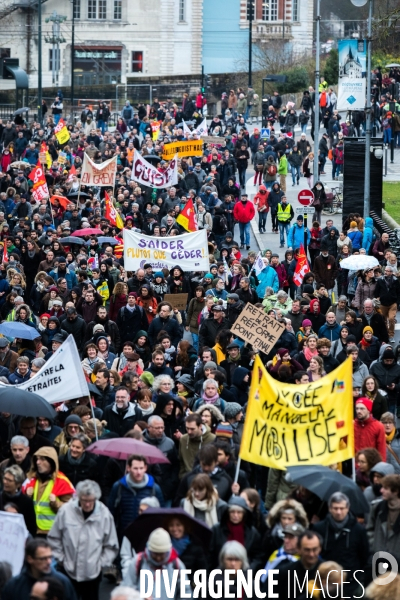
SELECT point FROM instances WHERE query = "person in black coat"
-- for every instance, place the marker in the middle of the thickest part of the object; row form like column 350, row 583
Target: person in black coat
column 12, row 480
column 188, row 548
column 375, row 320
column 77, row 464
column 240, row 385
column 330, row 362
column 178, row 283
column 164, row 321
column 236, row 520
column 344, row 540
column 131, row 318
column 123, row 414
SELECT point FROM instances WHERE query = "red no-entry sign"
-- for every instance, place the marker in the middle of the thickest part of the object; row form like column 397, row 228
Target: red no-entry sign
column 305, row 197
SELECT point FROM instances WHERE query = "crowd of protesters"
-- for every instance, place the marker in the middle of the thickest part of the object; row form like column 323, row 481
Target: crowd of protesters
column 179, row 380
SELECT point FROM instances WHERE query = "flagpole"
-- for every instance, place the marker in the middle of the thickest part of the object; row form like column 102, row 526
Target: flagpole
column 237, row 470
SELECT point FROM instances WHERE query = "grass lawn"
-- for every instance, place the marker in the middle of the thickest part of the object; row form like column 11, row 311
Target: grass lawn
column 391, row 199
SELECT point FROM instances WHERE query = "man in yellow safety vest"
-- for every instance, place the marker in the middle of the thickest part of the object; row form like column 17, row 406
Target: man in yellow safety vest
column 284, row 215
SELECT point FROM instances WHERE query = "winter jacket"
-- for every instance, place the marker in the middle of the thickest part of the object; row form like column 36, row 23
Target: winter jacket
column 331, row 332
column 192, row 318
column 83, row 546
column 386, row 375
column 379, row 535
column 378, row 324
column 209, row 329
column 370, row 433
column 356, row 238
column 110, row 328
column 360, row 372
column 168, row 477
column 124, row 500
column 122, row 422
column 219, row 478
column 388, row 292
column 371, row 350
column 395, row 446
column 77, row 328
column 267, row 278
column 296, row 236
column 21, row 585
column 325, row 270
column 244, row 211
column 130, row 322
column 364, row 290
column 189, row 447
column 170, row 325
column 331, row 243
column 68, row 275
column 171, row 565
column 368, row 234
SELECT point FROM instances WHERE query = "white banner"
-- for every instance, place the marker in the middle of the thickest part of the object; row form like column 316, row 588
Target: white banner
column 61, row 378
column 101, row 175
column 258, row 264
column 147, row 174
column 201, row 130
column 189, row 251
column 186, row 129
column 13, row 535
column 352, row 74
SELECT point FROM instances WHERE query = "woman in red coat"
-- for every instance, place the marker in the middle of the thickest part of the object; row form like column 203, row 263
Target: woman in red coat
column 118, row 299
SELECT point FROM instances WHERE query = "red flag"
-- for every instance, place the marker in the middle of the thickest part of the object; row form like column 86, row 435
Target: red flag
column 110, row 213
column 5, row 253
column 302, row 267
column 37, row 175
column 71, row 173
column 186, row 217
column 63, row 201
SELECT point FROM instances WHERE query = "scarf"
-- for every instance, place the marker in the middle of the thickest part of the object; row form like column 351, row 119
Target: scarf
column 74, row 461
column 235, row 282
column 309, row 353
column 208, row 400
column 133, row 486
column 236, row 532
column 337, row 526
column 181, row 544
column 234, row 360
column 390, row 436
column 146, row 412
column 208, row 508
column 365, row 343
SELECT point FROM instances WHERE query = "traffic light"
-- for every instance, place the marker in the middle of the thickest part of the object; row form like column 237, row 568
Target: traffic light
column 250, row 10
column 207, row 84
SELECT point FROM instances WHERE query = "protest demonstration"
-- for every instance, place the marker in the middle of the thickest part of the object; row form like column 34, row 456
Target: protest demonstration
column 199, row 297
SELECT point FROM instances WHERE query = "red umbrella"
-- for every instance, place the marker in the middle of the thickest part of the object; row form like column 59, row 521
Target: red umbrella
column 88, row 231
column 122, row 448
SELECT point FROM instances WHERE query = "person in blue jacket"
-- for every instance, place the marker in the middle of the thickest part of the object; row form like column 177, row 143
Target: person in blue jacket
column 368, row 236
column 296, row 234
column 331, row 330
column 355, row 235
column 267, row 278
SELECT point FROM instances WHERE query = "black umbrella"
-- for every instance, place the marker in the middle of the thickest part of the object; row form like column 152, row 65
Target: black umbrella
column 140, row 529
column 26, row 404
column 152, row 158
column 71, row 240
column 21, row 110
column 76, row 194
column 324, row 482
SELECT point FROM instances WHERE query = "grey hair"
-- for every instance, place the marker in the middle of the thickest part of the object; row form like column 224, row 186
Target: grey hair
column 150, row 501
column 159, row 380
column 210, row 381
column 19, row 439
column 87, row 487
column 339, row 497
column 281, row 294
column 17, row 473
column 268, row 291
column 389, row 267
column 82, row 438
column 154, row 419
column 126, row 593
column 235, row 550
column 38, row 362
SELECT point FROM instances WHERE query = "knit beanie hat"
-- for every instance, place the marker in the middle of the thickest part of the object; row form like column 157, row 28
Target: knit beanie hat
column 224, row 430
column 388, row 353
column 368, row 328
column 98, row 327
column 210, row 365
column 159, row 541
column 232, row 409
column 73, row 420
column 208, row 276
column 147, row 378
column 353, row 224
column 159, row 274
column 366, row 402
column 306, row 323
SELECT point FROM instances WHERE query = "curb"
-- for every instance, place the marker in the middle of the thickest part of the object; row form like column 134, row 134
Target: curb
column 257, row 235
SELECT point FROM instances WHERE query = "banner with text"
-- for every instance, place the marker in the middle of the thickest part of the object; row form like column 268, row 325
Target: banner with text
column 189, row 148
column 13, row 536
column 189, row 251
column 288, row 425
column 147, row 174
column 255, row 327
column 61, row 378
column 102, row 174
column 352, row 74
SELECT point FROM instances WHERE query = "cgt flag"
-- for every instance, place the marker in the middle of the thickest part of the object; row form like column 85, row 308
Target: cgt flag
column 186, row 217
column 302, row 267
column 111, row 214
column 288, row 425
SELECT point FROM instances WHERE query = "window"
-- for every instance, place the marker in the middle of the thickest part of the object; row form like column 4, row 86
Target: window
column 57, row 64
column 182, row 10
column 295, row 10
column 97, row 9
column 137, row 62
column 77, row 9
column 117, row 9
column 270, row 10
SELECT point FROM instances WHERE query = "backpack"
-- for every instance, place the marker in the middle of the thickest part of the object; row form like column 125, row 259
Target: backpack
column 223, row 223
column 338, row 154
column 375, row 234
column 272, row 170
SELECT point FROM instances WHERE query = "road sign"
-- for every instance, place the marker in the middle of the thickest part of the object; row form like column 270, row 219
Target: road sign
column 305, row 210
column 265, row 133
column 305, row 197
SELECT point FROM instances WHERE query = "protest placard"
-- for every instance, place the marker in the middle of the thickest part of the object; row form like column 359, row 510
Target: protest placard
column 257, row 328
column 187, row 148
column 178, row 301
column 189, row 251
column 102, row 174
column 213, row 139
column 13, row 535
column 288, row 425
column 147, row 174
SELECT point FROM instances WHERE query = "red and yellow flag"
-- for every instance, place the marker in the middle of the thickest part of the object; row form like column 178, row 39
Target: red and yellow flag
column 186, row 217
column 302, row 267
column 111, row 214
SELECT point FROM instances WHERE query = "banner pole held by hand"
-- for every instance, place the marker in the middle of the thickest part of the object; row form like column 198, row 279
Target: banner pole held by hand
column 237, row 470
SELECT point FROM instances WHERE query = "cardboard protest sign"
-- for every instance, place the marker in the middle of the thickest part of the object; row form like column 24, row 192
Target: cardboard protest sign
column 178, row 301
column 213, row 139
column 288, row 425
column 147, row 174
column 189, row 251
column 189, row 148
column 102, row 174
column 257, row 328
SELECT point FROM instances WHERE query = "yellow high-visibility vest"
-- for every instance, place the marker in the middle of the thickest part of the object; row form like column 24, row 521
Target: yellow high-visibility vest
column 45, row 515
column 284, row 215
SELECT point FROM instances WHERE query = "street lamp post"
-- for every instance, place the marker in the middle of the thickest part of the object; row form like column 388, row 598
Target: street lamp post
column 72, row 60
column 316, row 94
column 250, row 9
column 367, row 173
column 40, row 61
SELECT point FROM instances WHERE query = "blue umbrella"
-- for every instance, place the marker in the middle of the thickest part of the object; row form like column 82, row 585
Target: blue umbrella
column 107, row 240
column 13, row 329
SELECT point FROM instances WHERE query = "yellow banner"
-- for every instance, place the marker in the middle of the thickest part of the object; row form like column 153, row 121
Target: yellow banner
column 63, row 136
column 190, row 148
column 288, row 425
